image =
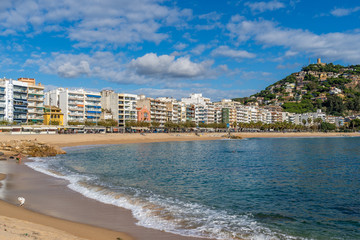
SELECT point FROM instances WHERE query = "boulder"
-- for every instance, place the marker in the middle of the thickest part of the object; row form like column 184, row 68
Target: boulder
column 31, row 148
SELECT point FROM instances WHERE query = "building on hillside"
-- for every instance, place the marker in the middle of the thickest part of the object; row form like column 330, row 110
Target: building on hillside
column 319, row 62
column 53, row 115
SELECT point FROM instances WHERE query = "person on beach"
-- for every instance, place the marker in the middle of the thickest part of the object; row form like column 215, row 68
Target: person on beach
column 18, row 158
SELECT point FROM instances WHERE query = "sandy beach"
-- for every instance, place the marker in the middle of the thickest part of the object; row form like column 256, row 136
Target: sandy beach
column 53, row 211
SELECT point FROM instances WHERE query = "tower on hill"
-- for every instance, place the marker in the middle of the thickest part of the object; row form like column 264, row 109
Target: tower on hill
column 319, row 62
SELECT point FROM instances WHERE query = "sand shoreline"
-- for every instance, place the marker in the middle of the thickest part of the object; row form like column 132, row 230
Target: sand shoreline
column 13, row 176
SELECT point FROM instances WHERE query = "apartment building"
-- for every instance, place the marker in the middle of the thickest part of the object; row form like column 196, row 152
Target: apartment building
column 79, row 105
column 200, row 109
column 92, row 105
column 20, row 109
column 110, row 104
column 21, row 101
column 3, row 99
column 35, row 98
column 173, row 110
column 127, row 108
column 157, row 108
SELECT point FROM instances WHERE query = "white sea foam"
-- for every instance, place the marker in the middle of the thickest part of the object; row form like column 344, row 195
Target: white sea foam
column 166, row 214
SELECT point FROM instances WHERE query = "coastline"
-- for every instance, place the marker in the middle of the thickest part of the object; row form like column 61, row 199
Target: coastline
column 50, row 196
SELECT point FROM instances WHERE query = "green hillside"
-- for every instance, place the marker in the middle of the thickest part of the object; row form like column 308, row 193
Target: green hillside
column 333, row 88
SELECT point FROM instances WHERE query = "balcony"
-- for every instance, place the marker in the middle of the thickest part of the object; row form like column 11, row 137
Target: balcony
column 34, row 92
column 20, row 91
column 76, row 97
column 75, row 103
column 35, row 99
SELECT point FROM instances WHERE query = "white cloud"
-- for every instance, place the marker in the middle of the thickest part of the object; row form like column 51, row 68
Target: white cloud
column 180, row 46
column 340, row 12
column 199, row 49
column 69, row 70
column 225, row 51
column 264, row 6
column 92, row 22
column 166, row 66
column 103, row 65
column 333, row 46
column 149, row 69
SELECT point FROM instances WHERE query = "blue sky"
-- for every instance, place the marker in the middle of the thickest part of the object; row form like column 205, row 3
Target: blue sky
column 223, row 49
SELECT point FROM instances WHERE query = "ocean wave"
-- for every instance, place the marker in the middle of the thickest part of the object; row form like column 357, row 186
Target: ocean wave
column 158, row 212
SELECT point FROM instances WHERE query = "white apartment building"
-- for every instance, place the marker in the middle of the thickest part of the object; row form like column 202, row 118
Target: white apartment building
column 79, row 105
column 21, row 101
column 204, row 109
column 127, row 108
column 4, row 112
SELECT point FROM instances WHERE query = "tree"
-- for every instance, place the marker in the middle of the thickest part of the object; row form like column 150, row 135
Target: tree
column 4, row 122
column 334, row 106
column 309, row 121
column 304, row 122
column 318, row 121
column 55, row 122
column 90, row 123
column 129, row 124
column 75, row 123
column 108, row 123
column 155, row 124
column 325, row 126
column 355, row 123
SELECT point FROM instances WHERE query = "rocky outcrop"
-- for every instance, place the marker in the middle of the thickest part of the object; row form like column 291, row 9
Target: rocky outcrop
column 31, row 148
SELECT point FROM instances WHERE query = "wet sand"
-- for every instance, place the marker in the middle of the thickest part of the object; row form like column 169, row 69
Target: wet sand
column 50, row 196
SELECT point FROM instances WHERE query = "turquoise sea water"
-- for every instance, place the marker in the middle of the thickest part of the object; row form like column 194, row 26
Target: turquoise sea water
column 285, row 188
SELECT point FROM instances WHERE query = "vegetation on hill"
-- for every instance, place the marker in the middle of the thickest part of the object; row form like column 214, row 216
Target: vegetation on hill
column 333, row 88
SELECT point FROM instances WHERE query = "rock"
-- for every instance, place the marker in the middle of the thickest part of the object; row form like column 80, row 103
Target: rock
column 31, row 148
column 235, row 137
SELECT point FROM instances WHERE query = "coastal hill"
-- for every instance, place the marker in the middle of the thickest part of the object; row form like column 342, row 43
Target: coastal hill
column 333, row 88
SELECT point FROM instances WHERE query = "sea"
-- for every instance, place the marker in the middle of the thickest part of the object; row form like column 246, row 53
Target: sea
column 261, row 188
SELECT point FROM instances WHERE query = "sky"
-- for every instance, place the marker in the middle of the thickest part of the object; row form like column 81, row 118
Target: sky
column 223, row 49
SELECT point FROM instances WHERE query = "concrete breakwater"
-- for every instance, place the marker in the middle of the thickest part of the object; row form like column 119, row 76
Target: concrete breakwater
column 31, row 148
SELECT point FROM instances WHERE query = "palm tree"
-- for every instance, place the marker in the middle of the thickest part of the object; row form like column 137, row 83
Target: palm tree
column 318, row 121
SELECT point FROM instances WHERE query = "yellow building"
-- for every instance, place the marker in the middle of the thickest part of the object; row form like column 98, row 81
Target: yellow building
column 53, row 116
